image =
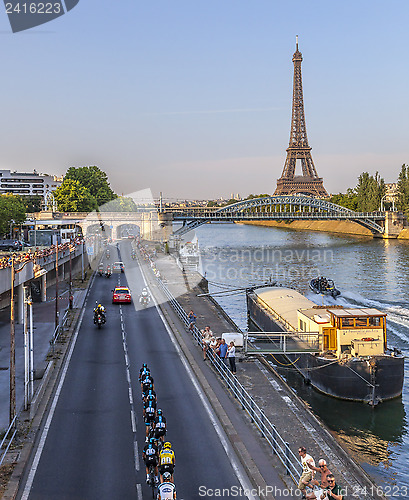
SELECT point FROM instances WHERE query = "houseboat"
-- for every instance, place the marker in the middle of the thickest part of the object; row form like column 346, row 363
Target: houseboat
column 351, row 361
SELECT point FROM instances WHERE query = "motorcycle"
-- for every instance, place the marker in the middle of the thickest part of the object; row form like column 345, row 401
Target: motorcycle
column 99, row 319
column 133, row 255
column 100, row 270
column 108, row 272
column 144, row 300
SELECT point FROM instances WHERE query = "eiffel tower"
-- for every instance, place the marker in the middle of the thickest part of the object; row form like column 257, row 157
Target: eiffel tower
column 298, row 149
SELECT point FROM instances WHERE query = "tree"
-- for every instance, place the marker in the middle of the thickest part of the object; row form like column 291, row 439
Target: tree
column 348, row 200
column 403, row 189
column 11, row 209
column 72, row 196
column 95, row 180
column 120, row 204
column 369, row 192
column 33, row 203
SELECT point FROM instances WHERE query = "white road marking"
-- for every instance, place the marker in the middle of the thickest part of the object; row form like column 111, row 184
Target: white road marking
column 246, row 485
column 139, row 491
column 136, row 453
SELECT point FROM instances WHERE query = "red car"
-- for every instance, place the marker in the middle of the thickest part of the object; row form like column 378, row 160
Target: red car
column 121, row 294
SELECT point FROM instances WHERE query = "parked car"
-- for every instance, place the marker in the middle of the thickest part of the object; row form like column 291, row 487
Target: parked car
column 121, row 295
column 118, row 267
column 11, row 245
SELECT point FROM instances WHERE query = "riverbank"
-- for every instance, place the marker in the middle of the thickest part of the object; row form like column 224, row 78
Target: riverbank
column 291, row 417
column 333, row 226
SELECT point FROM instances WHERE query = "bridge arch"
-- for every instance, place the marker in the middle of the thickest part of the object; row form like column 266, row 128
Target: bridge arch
column 284, row 207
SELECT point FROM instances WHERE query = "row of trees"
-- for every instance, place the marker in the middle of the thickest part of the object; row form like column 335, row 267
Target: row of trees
column 366, row 196
column 403, row 189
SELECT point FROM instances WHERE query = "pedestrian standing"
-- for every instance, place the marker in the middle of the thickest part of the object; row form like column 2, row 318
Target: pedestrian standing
column 223, row 349
column 231, row 354
column 192, row 319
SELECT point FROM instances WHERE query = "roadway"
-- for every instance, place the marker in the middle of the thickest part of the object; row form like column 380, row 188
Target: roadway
column 91, row 444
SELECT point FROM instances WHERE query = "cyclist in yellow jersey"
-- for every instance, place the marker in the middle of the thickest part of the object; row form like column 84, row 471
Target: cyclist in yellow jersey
column 166, row 461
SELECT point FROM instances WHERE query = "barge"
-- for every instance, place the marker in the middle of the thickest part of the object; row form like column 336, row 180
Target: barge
column 352, row 360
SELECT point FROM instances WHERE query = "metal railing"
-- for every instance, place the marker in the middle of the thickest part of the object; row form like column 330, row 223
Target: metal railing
column 282, row 342
column 279, row 446
column 6, row 445
column 58, row 330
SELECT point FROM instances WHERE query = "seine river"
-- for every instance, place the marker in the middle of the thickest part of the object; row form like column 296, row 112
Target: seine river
column 368, row 272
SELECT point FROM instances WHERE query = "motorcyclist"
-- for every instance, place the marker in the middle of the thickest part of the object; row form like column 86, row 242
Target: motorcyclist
column 99, row 311
column 144, row 299
column 108, row 271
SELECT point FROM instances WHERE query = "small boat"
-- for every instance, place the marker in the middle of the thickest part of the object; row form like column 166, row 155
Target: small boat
column 324, row 286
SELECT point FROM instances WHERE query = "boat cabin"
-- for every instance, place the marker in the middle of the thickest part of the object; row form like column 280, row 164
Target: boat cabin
column 345, row 331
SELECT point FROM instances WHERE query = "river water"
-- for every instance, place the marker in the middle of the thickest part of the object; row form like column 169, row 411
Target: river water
column 369, row 272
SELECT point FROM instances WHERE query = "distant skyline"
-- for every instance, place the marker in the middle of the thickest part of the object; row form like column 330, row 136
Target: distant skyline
column 194, row 98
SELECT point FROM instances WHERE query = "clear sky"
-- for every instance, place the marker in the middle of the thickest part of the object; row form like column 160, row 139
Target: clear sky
column 193, row 98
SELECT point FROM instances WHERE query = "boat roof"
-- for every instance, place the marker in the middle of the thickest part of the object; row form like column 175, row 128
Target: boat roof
column 284, row 301
column 345, row 313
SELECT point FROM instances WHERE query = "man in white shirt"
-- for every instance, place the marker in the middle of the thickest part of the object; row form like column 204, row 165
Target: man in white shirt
column 307, row 473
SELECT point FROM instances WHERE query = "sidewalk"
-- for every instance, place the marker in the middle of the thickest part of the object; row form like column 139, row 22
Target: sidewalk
column 296, row 424
column 44, row 327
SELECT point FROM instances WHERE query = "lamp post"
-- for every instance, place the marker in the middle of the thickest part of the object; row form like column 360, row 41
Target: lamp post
column 70, row 299
column 14, row 271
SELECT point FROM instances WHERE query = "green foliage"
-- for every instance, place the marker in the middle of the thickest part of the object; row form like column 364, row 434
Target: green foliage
column 403, row 190
column 369, row 192
column 33, row 203
column 72, row 196
column 212, row 203
column 120, row 204
column 95, row 180
column 348, row 200
column 11, row 209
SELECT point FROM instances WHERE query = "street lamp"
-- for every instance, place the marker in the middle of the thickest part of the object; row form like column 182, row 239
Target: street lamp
column 14, row 271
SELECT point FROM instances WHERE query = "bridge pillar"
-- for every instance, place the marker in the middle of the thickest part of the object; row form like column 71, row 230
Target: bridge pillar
column 394, row 223
column 44, row 287
column 165, row 223
column 20, row 304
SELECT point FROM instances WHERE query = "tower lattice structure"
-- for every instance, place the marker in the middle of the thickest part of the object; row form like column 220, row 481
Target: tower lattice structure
column 299, row 149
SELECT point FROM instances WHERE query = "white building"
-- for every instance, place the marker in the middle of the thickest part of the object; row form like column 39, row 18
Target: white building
column 28, row 184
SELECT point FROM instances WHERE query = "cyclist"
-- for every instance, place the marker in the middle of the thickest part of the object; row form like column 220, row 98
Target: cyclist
column 146, row 392
column 160, row 425
column 150, row 396
column 166, row 461
column 149, row 414
column 150, row 456
column 167, row 490
column 146, row 380
column 143, row 371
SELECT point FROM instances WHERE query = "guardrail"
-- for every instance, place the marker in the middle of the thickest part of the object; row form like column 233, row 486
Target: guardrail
column 58, row 330
column 282, row 342
column 279, row 446
column 12, row 429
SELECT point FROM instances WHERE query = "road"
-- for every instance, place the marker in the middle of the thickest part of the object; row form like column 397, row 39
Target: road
column 90, row 447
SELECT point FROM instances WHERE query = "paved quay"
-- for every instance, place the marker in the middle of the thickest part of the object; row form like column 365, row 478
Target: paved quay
column 293, row 420
column 43, row 330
